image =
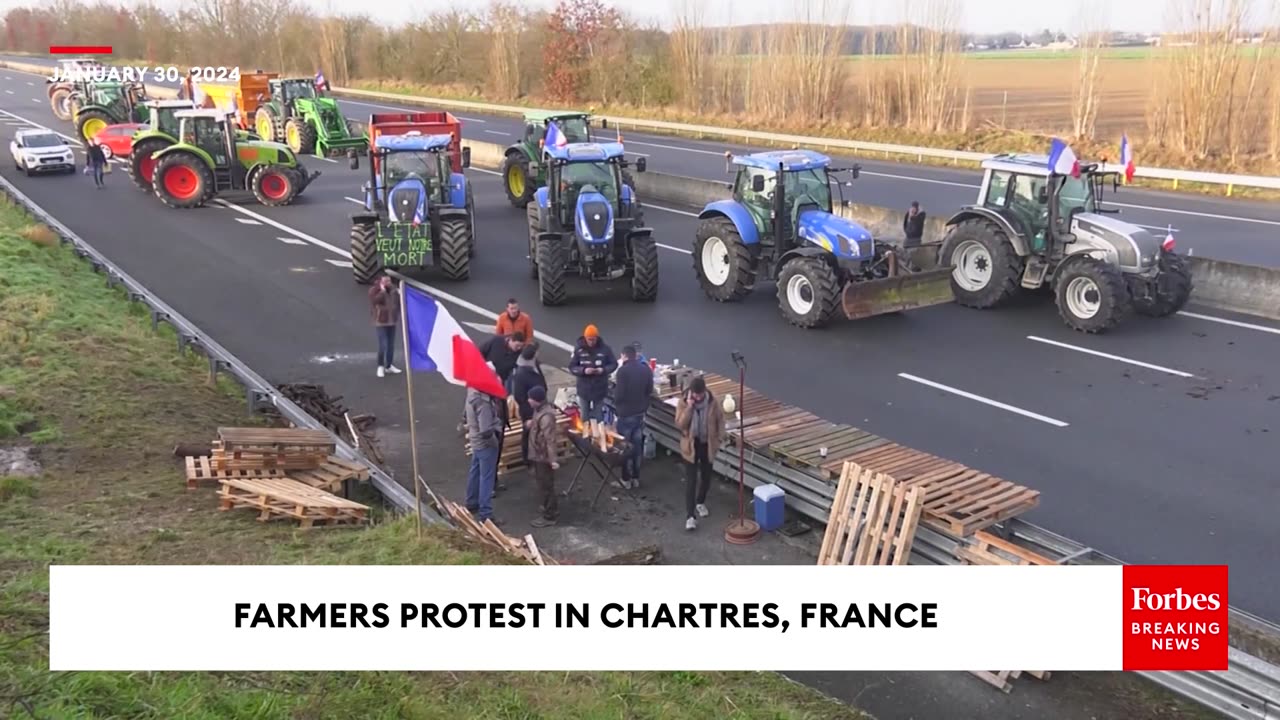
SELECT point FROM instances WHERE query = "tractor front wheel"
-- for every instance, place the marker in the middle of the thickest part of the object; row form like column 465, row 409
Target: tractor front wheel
column 365, row 266
column 1171, row 289
column 141, row 165
column 808, row 292
column 91, row 122
column 987, row 268
column 300, row 136
column 265, row 124
column 471, row 218
column 516, row 180
column 60, row 103
column 275, row 186
column 552, row 262
column 182, row 180
column 721, row 261
column 644, row 275
column 455, row 248
column 1092, row 296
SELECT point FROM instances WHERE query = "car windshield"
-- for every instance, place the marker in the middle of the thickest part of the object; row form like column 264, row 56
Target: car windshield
column 1075, row 193
column 399, row 165
column 812, row 183
column 43, row 140
column 574, row 129
column 575, row 176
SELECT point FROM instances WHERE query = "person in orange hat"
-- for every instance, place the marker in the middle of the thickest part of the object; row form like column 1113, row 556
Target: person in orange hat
column 592, row 363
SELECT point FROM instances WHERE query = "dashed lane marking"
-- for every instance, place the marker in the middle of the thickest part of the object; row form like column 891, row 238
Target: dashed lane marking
column 248, row 221
column 338, row 263
column 291, row 241
column 1235, row 323
column 1109, row 356
column 985, row 401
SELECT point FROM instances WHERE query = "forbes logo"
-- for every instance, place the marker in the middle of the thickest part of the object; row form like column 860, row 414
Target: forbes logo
column 1145, row 599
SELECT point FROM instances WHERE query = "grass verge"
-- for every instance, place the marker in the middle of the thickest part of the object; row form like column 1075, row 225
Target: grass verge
column 102, row 399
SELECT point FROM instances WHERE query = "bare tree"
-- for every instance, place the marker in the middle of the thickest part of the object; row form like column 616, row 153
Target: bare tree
column 1091, row 24
column 505, row 27
column 689, row 52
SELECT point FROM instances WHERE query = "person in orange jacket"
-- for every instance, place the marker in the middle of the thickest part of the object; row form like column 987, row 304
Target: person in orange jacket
column 514, row 320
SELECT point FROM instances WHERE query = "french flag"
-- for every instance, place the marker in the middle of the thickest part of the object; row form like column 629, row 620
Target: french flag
column 1062, row 161
column 555, row 138
column 1126, row 158
column 438, row 344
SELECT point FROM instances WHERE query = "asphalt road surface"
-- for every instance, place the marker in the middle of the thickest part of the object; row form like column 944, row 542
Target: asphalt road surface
column 1156, row 443
column 1212, row 226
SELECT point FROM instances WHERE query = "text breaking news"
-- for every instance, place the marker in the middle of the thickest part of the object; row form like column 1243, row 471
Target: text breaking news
column 584, row 618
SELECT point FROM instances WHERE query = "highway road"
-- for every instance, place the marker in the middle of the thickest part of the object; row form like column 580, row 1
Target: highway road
column 1212, row 226
column 1156, row 444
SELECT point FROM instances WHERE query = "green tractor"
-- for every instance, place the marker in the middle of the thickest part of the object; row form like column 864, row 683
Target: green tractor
column 161, row 132
column 305, row 119
column 107, row 103
column 524, row 168
column 211, row 157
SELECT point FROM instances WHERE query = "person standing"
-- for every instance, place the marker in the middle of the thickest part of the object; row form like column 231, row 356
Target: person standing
column 97, row 161
column 484, row 431
column 528, row 375
column 543, row 456
column 503, row 351
column 700, row 420
column 913, row 225
column 384, row 309
column 632, row 391
column 515, row 320
column 592, row 364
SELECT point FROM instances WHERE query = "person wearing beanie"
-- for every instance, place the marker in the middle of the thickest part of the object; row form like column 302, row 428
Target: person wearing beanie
column 528, row 375
column 592, row 363
column 543, row 456
column 700, row 420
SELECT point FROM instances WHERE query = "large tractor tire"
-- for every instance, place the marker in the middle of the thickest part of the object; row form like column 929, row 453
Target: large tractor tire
column 264, row 123
column 552, row 262
column 644, row 276
column 60, row 103
column 1091, row 294
column 471, row 219
column 1171, row 289
column 91, row 122
column 808, row 292
column 455, row 248
column 182, row 180
column 516, row 180
column 300, row 136
column 533, row 216
column 988, row 271
column 722, row 262
column 141, row 166
column 365, row 266
column 275, row 185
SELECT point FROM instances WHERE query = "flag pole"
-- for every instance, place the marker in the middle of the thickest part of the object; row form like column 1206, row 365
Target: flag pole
column 413, row 426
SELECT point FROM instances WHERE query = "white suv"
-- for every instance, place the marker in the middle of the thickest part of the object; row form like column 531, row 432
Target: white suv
column 41, row 151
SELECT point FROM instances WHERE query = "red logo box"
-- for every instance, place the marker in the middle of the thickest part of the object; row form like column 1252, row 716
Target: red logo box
column 1175, row 617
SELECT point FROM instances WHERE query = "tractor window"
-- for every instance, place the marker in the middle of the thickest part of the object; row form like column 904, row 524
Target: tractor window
column 574, row 129
column 1025, row 203
column 166, row 121
column 398, row 166
column 997, row 190
column 576, row 175
column 808, row 186
column 531, row 133
column 763, row 198
column 211, row 139
column 299, row 89
column 1075, row 193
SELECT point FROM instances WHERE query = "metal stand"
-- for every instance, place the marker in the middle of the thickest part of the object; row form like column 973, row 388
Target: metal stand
column 601, row 466
column 741, row 530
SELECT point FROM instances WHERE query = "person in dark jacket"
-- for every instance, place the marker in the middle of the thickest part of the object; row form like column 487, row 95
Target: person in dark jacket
column 528, row 375
column 592, row 364
column 913, row 224
column 503, row 351
column 97, row 161
column 543, row 456
column 632, row 390
column 384, row 311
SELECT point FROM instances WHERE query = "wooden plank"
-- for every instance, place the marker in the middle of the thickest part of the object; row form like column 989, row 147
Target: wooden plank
column 199, row 470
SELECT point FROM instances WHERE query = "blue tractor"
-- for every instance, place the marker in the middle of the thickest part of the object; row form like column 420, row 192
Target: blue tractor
column 779, row 225
column 418, row 213
column 587, row 221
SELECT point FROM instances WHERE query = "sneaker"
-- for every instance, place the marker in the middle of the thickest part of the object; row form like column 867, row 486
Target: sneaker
column 393, row 369
column 541, row 522
column 381, row 372
column 702, row 510
column 690, row 524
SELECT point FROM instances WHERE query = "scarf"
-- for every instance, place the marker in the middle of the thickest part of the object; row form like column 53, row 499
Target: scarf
column 698, row 426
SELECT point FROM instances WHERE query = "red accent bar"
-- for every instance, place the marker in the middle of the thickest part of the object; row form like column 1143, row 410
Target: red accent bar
column 79, row 49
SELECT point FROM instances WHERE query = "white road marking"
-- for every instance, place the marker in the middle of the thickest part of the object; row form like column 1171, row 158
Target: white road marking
column 686, row 213
column 291, row 241
column 985, row 401
column 919, row 179
column 8, row 92
column 1236, row 323
column 1109, row 356
column 400, row 109
column 351, row 199
column 31, row 83
column 1197, row 214
column 326, row 159
column 672, row 147
column 35, row 100
column 247, row 221
column 284, row 228
column 1164, row 228
column 487, row 329
column 338, row 263
column 497, row 132
column 486, row 172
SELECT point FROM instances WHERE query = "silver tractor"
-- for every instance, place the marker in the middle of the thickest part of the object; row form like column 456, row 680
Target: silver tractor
column 1032, row 228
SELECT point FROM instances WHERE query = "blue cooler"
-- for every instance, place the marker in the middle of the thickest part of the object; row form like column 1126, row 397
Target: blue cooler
column 770, row 503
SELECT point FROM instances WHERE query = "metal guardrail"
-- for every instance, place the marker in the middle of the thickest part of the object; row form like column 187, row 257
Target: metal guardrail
column 258, row 392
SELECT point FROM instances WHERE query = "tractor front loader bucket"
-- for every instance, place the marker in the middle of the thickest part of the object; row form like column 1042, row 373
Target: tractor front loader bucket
column 331, row 145
column 904, row 291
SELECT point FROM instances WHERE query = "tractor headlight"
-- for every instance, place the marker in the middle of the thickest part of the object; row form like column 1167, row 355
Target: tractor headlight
column 608, row 233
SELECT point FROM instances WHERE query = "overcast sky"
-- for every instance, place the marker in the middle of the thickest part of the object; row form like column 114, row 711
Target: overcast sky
column 979, row 16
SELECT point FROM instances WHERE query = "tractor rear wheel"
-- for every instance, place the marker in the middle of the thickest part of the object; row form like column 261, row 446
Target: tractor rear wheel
column 552, row 260
column 1091, row 294
column 300, row 136
column 455, row 248
column 987, row 269
column 471, row 218
column 1171, row 289
column 515, row 179
column 721, row 261
column 533, row 215
column 808, row 292
column 275, row 185
column 141, row 165
column 264, row 123
column 365, row 265
column 59, row 102
column 91, row 122
column 644, row 275
column 182, row 180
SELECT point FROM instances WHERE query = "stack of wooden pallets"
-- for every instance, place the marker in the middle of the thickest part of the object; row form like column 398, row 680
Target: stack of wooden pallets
column 282, row 473
column 511, row 461
column 873, row 520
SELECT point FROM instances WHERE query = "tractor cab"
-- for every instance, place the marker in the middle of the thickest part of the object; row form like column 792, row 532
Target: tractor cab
column 212, row 131
column 408, row 167
column 587, row 189
column 576, row 127
column 287, row 90
column 162, row 115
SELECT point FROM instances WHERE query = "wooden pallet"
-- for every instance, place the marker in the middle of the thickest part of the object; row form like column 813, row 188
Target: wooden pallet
column 987, row 549
column 200, row 471
column 1001, row 680
column 331, row 474
column 250, row 459
column 873, row 520
column 284, row 498
column 277, row 440
column 491, row 535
